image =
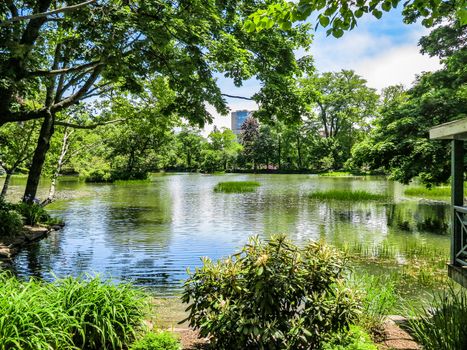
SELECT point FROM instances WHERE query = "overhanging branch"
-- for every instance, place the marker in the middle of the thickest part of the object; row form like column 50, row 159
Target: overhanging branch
column 238, row 97
column 45, row 14
column 89, row 127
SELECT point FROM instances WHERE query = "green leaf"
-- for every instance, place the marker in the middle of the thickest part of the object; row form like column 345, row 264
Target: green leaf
column 337, row 33
column 377, row 13
column 386, row 6
column 359, row 13
column 324, row 21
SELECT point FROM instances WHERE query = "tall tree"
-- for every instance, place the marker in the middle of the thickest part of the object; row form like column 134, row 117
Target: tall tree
column 248, row 139
column 399, row 143
column 72, row 50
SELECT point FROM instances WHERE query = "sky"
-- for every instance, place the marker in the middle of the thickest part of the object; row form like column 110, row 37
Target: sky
column 384, row 52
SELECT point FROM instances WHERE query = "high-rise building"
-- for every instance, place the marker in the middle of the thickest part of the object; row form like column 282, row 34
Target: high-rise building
column 238, row 118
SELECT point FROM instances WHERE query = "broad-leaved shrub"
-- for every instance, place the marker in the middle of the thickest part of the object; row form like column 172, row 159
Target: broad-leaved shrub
column 271, row 295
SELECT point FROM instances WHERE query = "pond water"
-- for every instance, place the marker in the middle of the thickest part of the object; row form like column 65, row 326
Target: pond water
column 150, row 232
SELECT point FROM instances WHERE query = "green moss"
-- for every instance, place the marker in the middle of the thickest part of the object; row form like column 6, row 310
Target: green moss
column 236, row 186
column 347, row 195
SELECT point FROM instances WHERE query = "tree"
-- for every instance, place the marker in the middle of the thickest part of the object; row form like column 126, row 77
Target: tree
column 399, row 142
column 225, row 143
column 344, row 105
column 191, row 145
column 68, row 51
column 342, row 15
column 248, row 139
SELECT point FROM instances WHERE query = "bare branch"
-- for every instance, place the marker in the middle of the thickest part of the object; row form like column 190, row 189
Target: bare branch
column 238, row 97
column 45, row 14
column 92, row 126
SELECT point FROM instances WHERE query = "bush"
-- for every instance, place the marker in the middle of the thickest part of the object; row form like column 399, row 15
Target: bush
column 157, row 341
column 442, row 325
column 11, row 222
column 354, row 339
column 33, row 213
column 271, row 295
column 68, row 314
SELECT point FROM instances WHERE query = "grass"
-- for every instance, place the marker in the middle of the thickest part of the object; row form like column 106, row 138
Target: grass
column 442, row 325
column 132, row 182
column 236, row 186
column 348, row 195
column 435, row 192
column 68, row 314
column 336, row 174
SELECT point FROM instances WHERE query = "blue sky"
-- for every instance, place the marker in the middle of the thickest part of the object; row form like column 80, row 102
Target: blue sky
column 384, row 52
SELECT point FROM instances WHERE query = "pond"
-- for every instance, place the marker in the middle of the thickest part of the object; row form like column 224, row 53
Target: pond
column 150, row 232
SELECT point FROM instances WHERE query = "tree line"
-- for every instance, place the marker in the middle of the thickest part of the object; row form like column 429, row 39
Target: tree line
column 114, row 89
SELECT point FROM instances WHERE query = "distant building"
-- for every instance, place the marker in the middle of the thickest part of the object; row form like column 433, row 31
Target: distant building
column 238, row 118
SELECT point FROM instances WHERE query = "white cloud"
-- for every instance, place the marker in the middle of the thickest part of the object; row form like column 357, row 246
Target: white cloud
column 399, row 65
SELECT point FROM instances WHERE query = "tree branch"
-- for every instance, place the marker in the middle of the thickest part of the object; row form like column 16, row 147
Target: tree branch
column 238, row 97
column 45, row 14
column 43, row 73
column 92, row 126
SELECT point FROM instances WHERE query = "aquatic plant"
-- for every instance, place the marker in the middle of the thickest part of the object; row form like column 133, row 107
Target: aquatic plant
column 348, row 195
column 68, row 314
column 236, row 186
column 271, row 295
column 441, row 326
column 157, row 341
column 32, row 213
column 336, row 174
column 443, row 192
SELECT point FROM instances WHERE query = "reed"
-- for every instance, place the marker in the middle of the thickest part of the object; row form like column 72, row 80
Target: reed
column 68, row 314
column 435, row 192
column 348, row 195
column 236, row 186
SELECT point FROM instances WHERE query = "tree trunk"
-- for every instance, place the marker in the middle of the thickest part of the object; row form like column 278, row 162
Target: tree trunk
column 279, row 154
column 38, row 160
column 58, row 169
column 6, row 183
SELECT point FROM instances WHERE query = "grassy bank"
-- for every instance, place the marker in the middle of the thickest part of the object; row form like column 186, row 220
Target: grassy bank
column 348, row 195
column 236, row 186
column 443, row 192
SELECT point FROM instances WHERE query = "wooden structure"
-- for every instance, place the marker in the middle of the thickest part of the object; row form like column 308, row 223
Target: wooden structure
column 456, row 131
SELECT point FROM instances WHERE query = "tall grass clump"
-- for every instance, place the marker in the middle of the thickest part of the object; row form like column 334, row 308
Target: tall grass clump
column 68, row 314
column 442, row 325
column 435, row 192
column 379, row 298
column 348, row 195
column 236, row 186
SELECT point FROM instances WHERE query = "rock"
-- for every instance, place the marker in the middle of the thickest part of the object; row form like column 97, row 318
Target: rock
column 33, row 233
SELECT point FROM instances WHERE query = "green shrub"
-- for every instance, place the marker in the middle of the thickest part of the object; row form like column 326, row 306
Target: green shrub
column 236, row 186
column 68, row 314
column 348, row 195
column 442, row 325
column 157, row 341
column 354, row 339
column 11, row 222
column 271, row 295
column 33, row 213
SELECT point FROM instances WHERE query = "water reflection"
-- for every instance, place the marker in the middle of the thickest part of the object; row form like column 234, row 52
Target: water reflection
column 151, row 232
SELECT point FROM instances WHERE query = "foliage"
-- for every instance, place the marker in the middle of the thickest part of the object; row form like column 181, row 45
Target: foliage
column 349, row 195
column 11, row 222
column 399, row 143
column 340, row 16
column 67, row 314
column 248, row 138
column 236, row 186
column 271, row 295
column 353, row 339
column 439, row 326
column 336, row 174
column 157, row 341
column 33, row 213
